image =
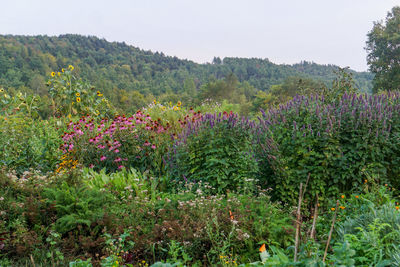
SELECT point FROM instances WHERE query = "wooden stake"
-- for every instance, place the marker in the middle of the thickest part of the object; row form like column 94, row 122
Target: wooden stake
column 330, row 232
column 312, row 234
column 298, row 218
column 33, row 262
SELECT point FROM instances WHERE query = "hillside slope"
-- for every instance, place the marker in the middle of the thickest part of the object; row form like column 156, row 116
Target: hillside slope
column 26, row 61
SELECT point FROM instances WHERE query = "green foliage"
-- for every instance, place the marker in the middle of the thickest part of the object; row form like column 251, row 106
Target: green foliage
column 54, row 253
column 76, row 208
column 26, row 143
column 81, row 263
column 291, row 86
column 383, row 53
column 118, row 249
column 72, row 96
column 217, row 151
column 125, row 183
column 337, row 144
column 176, row 253
column 24, row 103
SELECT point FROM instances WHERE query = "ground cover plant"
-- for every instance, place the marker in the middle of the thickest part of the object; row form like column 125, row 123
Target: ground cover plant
column 311, row 182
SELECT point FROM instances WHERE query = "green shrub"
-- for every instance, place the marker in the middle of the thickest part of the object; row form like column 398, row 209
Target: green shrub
column 77, row 207
column 216, row 149
column 29, row 144
column 337, row 144
column 125, row 183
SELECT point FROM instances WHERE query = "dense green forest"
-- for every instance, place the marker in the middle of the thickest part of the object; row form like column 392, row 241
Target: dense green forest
column 130, row 77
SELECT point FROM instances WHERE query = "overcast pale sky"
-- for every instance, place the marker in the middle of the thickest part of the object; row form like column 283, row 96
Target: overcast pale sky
column 284, row 31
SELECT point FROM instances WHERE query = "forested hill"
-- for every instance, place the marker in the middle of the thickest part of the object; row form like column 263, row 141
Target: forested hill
column 26, row 61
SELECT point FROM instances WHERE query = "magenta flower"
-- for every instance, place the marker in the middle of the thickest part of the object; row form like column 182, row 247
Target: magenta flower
column 116, row 150
column 153, row 146
column 103, row 158
column 117, row 159
column 120, row 167
column 146, row 143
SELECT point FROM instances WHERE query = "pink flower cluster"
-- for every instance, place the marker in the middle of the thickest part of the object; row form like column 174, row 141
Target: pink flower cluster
column 107, row 137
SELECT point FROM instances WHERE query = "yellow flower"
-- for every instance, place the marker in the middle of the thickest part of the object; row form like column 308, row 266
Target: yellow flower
column 155, row 101
column 78, row 99
column 62, row 70
column 53, row 74
column 1, row 90
column 175, row 108
column 71, row 67
column 78, row 94
column 179, row 103
column 58, row 73
column 342, row 207
column 332, row 209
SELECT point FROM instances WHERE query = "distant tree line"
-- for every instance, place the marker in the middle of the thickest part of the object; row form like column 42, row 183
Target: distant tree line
column 131, row 77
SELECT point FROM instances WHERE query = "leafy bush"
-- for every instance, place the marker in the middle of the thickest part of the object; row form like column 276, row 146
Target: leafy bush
column 26, row 143
column 76, row 207
column 125, row 183
column 371, row 227
column 216, row 149
column 336, row 144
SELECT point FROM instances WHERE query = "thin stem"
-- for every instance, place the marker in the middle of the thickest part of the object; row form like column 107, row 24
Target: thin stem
column 330, row 232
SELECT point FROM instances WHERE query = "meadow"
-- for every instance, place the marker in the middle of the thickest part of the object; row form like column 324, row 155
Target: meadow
column 309, row 182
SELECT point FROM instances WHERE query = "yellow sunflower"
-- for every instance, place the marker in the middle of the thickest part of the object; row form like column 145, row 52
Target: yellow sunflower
column 58, row 73
column 71, row 67
column 53, row 74
column 78, row 99
column 78, row 94
column 62, row 70
column 179, row 103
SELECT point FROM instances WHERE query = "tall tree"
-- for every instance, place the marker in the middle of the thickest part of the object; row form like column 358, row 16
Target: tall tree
column 383, row 46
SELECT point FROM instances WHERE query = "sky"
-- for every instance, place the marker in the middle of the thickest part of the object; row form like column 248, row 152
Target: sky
column 284, row 31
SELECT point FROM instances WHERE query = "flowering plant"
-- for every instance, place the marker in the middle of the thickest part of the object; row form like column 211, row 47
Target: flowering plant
column 73, row 96
column 115, row 143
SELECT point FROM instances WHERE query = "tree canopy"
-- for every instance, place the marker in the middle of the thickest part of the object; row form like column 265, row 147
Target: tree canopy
column 383, row 46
